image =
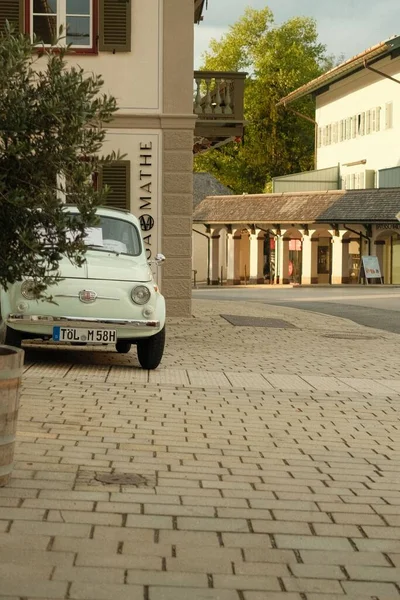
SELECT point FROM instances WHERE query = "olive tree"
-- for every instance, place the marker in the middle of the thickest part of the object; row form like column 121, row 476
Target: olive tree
column 51, row 134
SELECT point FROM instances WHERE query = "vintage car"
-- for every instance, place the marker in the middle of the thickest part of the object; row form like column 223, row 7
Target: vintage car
column 112, row 299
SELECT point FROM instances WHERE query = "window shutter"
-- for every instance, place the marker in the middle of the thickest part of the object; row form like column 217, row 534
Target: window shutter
column 378, row 118
column 117, row 176
column 368, row 122
column 115, row 25
column 12, row 11
column 348, row 128
column 319, row 138
column 389, row 115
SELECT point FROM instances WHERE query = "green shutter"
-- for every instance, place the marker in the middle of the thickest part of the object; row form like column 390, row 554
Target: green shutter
column 115, row 25
column 12, row 11
column 117, row 176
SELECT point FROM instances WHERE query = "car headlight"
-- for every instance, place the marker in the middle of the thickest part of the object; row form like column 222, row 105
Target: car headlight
column 140, row 294
column 28, row 290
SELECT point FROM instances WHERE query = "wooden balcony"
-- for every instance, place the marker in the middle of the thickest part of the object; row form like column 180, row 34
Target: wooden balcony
column 219, row 106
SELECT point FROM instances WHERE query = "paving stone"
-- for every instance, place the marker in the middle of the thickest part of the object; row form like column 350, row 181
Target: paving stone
column 368, row 386
column 288, row 382
column 367, row 589
column 51, row 529
column 272, row 596
column 332, row 557
column 167, row 578
column 177, row 593
column 312, row 542
column 322, row 586
column 249, row 381
column 92, row 574
column 328, row 384
column 245, row 582
column 369, row 573
column 119, row 561
column 91, row 591
column 214, row 524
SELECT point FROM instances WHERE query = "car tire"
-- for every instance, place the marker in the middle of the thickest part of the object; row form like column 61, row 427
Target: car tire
column 150, row 350
column 11, row 337
column 123, row 347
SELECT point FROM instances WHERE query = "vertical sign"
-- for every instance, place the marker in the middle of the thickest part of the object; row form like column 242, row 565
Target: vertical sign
column 146, row 199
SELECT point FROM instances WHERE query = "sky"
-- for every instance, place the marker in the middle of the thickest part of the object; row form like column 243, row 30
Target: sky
column 346, row 27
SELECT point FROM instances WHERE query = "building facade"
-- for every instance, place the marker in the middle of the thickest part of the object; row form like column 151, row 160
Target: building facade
column 318, row 225
column 144, row 52
column 301, row 237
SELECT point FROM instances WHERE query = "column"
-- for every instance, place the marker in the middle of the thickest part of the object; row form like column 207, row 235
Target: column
column 308, row 254
column 214, row 267
column 256, row 258
column 233, row 266
column 283, row 260
column 379, row 248
column 337, row 257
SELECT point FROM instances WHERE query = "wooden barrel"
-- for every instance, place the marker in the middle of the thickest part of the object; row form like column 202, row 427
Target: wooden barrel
column 11, row 363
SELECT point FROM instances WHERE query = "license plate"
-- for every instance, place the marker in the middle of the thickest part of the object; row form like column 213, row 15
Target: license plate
column 92, row 336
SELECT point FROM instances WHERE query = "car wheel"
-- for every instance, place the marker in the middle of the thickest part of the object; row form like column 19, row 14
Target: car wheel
column 11, row 337
column 150, row 350
column 123, row 347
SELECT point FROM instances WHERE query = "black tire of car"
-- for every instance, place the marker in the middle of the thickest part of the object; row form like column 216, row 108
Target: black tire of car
column 11, row 337
column 150, row 350
column 123, row 347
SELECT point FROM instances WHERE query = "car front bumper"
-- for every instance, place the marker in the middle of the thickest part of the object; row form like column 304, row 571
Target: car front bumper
column 42, row 325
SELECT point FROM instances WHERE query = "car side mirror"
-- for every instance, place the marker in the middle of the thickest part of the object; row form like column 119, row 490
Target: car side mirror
column 158, row 260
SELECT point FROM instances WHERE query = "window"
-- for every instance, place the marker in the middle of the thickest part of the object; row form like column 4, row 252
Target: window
column 75, row 16
column 361, row 124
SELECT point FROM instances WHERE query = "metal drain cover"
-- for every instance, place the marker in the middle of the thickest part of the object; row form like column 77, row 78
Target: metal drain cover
column 245, row 321
column 350, row 336
column 121, row 479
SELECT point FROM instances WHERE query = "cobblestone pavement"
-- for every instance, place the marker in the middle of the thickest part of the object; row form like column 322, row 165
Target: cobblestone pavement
column 256, row 463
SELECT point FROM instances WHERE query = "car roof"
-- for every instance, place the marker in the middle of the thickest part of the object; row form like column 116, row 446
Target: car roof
column 106, row 211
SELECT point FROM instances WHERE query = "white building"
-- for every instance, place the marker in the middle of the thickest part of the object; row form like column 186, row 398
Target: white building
column 318, row 225
column 358, row 116
column 144, row 51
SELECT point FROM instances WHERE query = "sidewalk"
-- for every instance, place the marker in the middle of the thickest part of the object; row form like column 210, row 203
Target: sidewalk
column 256, row 463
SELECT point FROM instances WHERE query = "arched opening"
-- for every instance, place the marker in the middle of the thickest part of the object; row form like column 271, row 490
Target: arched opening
column 322, row 255
column 291, row 257
column 351, row 258
column 388, row 252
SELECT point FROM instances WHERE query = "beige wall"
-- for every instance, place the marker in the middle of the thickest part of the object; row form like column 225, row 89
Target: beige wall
column 134, row 78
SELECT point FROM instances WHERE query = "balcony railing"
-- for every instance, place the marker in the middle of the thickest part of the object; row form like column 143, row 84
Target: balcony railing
column 219, row 96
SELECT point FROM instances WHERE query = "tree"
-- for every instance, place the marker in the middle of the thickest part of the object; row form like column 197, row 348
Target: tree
column 278, row 60
column 51, row 133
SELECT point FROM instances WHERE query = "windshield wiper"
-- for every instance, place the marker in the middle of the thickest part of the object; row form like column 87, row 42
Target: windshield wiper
column 102, row 249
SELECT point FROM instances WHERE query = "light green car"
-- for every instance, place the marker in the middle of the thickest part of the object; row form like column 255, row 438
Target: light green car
column 111, row 299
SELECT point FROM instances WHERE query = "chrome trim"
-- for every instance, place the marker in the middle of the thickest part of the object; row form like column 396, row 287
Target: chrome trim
column 67, row 321
column 77, row 296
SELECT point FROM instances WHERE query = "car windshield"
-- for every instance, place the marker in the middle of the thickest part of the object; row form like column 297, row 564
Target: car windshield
column 115, row 235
